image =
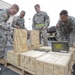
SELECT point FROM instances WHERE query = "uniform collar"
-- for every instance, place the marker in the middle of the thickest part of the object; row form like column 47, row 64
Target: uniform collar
column 39, row 13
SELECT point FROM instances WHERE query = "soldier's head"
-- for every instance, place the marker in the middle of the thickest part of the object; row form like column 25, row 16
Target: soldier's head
column 37, row 8
column 14, row 9
column 64, row 15
column 22, row 14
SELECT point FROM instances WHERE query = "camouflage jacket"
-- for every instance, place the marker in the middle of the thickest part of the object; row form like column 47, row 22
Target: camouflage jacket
column 40, row 18
column 18, row 21
column 67, row 27
column 4, row 16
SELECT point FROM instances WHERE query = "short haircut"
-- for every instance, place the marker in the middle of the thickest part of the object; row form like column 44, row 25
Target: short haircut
column 15, row 6
column 23, row 11
column 64, row 12
column 37, row 5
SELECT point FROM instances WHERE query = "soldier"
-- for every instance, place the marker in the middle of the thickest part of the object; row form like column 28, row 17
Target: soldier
column 18, row 22
column 4, row 16
column 66, row 28
column 41, row 22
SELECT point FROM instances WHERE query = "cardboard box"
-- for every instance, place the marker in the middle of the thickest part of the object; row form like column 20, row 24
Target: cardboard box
column 20, row 32
column 30, row 59
column 35, row 37
column 35, row 47
column 40, row 64
column 13, row 58
column 34, row 32
column 49, row 64
column 73, row 49
column 33, row 57
column 20, row 48
column 55, row 53
column 20, row 40
column 62, row 66
column 24, row 60
column 45, row 48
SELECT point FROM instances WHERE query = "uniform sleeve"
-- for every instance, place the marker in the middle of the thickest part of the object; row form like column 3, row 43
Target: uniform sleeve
column 23, row 25
column 33, row 23
column 47, row 19
column 24, row 22
column 73, row 24
column 3, row 17
column 58, row 30
column 14, row 22
column 58, row 25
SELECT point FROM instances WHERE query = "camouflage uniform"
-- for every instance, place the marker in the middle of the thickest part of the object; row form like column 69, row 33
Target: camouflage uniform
column 66, row 31
column 4, row 16
column 41, row 21
column 18, row 21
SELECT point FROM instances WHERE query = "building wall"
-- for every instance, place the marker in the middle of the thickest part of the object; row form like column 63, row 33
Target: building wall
column 4, row 5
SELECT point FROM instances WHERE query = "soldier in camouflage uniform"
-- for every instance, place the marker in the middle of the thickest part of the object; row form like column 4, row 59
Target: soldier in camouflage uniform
column 41, row 22
column 66, row 28
column 4, row 16
column 18, row 22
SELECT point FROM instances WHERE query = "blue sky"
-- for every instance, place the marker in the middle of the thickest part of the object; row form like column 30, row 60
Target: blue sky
column 52, row 7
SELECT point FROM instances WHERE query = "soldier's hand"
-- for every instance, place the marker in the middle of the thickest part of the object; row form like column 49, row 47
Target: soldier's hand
column 17, row 27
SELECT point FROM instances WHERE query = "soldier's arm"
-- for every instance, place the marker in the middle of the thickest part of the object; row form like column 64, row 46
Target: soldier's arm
column 24, row 22
column 73, row 24
column 14, row 22
column 58, row 25
column 3, row 17
column 47, row 20
column 58, row 30
column 23, row 26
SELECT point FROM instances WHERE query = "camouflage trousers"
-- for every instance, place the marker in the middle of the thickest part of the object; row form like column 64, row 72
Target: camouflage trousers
column 44, row 36
column 9, row 36
column 2, row 44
